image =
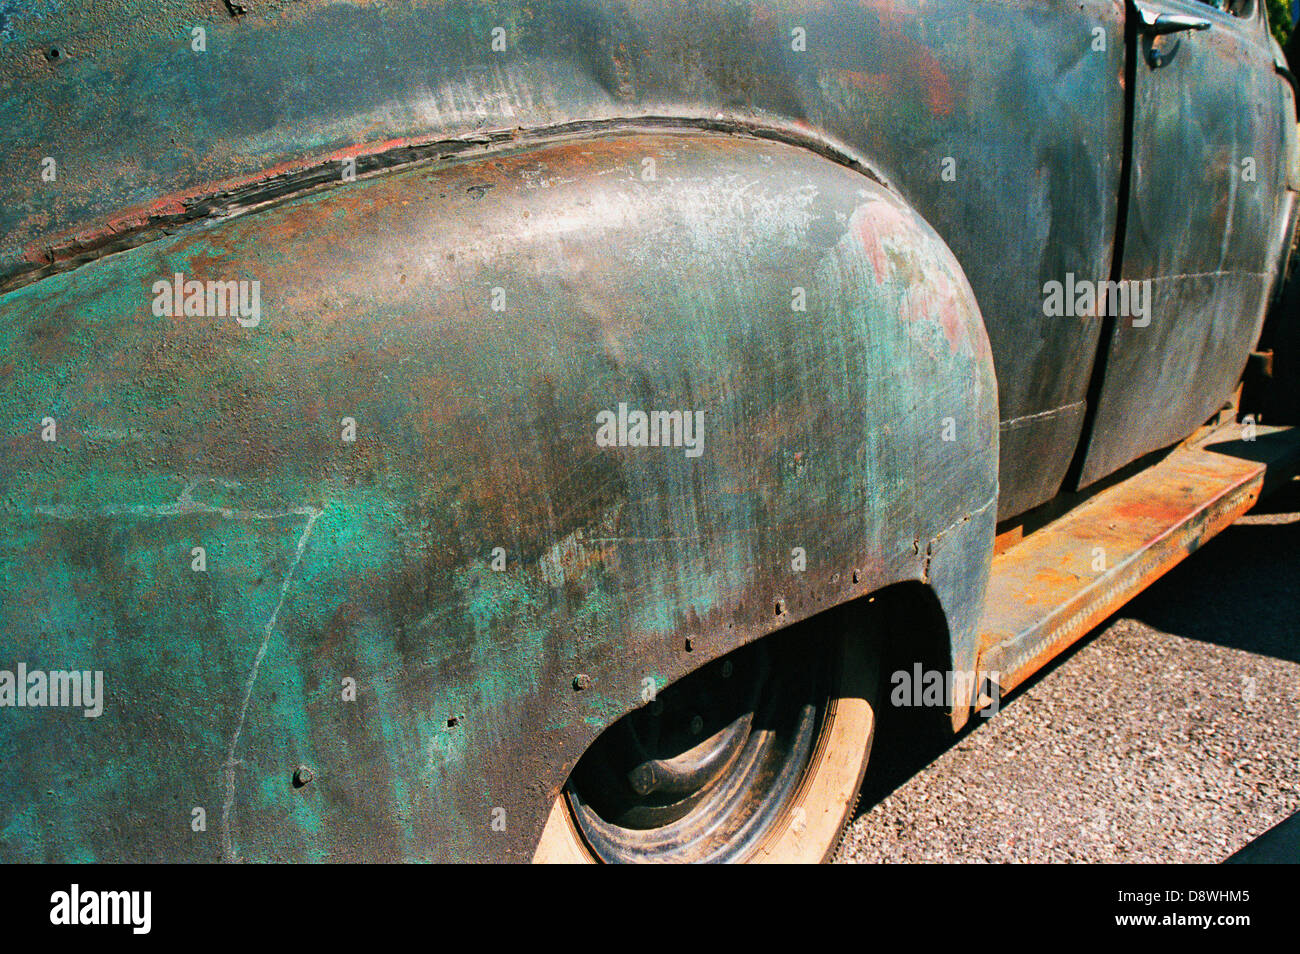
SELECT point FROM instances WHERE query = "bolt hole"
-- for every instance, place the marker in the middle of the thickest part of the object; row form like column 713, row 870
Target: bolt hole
column 53, row 53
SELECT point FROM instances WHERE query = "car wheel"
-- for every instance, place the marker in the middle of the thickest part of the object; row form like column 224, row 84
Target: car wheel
column 757, row 757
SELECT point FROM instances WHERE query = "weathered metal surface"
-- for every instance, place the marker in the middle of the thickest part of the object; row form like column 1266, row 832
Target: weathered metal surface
column 1060, row 582
column 799, row 145
column 1206, row 205
column 475, row 429
column 946, row 98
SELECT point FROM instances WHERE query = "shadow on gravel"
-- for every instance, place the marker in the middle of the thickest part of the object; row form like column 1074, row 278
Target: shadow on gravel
column 905, row 742
column 1241, row 590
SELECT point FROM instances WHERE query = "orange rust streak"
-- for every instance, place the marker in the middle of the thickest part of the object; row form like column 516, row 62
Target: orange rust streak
column 178, row 203
column 1101, row 610
column 1045, row 593
column 1008, row 539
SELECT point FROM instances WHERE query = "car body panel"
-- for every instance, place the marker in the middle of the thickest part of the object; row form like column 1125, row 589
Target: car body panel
column 477, row 687
column 944, row 99
column 651, row 186
column 1207, row 187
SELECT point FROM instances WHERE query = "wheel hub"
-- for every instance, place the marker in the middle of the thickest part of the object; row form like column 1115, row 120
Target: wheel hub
column 703, row 771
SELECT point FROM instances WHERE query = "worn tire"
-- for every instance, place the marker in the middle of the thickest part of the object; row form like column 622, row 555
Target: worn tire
column 813, row 823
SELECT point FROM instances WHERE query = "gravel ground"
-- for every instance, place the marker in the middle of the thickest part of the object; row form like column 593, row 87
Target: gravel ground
column 1171, row 733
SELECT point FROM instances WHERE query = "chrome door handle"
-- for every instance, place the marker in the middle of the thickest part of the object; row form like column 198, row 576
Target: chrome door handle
column 1154, row 23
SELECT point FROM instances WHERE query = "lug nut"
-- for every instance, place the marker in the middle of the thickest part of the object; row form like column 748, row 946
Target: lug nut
column 642, row 779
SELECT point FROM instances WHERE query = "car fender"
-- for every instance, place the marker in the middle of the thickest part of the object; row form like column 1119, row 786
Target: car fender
column 428, row 580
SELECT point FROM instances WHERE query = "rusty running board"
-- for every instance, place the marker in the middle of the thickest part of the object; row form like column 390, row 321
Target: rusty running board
column 1062, row 580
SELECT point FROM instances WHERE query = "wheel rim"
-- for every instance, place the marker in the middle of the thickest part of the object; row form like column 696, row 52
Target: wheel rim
column 709, row 769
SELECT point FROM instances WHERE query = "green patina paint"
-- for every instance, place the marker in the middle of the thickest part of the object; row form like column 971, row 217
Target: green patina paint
column 371, row 560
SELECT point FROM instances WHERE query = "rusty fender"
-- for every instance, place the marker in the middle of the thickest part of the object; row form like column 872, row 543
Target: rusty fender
column 389, row 475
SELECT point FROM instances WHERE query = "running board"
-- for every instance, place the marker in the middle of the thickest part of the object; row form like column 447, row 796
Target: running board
column 1064, row 579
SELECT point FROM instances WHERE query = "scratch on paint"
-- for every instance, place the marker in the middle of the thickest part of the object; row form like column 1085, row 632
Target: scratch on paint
column 227, row 844
column 929, row 547
column 184, row 506
column 187, row 505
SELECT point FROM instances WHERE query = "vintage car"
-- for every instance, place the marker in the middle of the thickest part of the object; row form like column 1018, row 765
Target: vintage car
column 538, row 430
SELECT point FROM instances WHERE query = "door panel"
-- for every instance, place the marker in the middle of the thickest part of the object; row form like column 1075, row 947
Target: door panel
column 1203, row 195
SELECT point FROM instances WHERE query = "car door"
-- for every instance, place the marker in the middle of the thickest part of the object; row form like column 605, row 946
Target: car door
column 1198, row 232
